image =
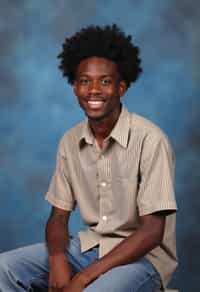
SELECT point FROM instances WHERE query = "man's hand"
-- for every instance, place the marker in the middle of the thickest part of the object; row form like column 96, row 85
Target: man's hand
column 77, row 284
column 59, row 272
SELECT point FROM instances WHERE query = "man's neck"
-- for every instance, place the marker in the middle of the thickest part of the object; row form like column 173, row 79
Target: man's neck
column 102, row 128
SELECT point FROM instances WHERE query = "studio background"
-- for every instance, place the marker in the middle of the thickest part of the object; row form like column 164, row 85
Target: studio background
column 37, row 106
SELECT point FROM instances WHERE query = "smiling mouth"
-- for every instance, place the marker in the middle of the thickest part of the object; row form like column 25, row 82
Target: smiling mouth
column 95, row 104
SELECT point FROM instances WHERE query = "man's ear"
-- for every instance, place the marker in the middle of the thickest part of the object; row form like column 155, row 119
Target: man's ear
column 122, row 87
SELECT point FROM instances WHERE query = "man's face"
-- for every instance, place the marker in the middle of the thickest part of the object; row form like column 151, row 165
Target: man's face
column 99, row 88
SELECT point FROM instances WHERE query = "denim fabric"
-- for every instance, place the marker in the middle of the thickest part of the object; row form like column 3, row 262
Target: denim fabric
column 28, row 267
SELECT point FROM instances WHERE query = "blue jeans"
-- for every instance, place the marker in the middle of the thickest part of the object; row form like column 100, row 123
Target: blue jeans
column 28, row 265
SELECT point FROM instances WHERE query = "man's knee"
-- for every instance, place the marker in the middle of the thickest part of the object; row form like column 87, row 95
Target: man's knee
column 6, row 270
column 5, row 263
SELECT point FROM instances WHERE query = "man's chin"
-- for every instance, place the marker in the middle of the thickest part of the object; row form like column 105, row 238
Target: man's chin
column 95, row 117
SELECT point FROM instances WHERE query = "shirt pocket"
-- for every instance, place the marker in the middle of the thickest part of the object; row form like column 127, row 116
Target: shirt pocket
column 125, row 201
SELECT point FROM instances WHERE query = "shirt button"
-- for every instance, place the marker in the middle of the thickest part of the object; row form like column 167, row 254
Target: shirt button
column 104, row 218
column 103, row 184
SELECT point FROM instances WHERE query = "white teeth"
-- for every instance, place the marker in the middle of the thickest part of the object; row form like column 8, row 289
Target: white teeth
column 95, row 102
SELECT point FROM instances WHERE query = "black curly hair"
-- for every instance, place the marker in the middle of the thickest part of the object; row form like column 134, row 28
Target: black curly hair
column 108, row 42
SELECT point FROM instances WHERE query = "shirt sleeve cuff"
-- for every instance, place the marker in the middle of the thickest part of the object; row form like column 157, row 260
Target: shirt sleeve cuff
column 68, row 206
column 149, row 209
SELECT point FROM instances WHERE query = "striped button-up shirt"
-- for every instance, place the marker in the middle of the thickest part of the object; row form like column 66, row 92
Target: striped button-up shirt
column 131, row 176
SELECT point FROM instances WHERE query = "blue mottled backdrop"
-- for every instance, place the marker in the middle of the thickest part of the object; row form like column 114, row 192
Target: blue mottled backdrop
column 37, row 106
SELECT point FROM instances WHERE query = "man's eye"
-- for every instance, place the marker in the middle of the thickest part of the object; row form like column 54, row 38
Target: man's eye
column 84, row 81
column 106, row 81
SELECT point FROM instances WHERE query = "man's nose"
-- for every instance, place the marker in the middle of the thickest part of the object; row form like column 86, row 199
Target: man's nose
column 94, row 87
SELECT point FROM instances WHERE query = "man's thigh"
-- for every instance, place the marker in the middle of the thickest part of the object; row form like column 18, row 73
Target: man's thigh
column 136, row 277
column 76, row 258
column 23, row 265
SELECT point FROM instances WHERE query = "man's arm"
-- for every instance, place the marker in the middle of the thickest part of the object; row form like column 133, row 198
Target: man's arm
column 57, row 237
column 148, row 236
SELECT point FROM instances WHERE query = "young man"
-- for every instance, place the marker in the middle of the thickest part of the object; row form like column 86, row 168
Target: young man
column 118, row 168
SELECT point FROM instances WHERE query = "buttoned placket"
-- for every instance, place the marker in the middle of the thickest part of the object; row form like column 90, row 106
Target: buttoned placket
column 104, row 189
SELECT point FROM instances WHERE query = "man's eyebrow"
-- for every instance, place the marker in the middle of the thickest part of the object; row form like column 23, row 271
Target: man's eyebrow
column 107, row 75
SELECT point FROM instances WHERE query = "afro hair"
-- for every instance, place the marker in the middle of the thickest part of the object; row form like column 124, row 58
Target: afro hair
column 108, row 42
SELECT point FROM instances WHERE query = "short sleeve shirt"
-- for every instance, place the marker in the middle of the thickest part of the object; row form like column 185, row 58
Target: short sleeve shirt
column 131, row 176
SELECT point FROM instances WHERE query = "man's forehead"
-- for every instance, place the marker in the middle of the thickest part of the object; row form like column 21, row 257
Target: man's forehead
column 97, row 65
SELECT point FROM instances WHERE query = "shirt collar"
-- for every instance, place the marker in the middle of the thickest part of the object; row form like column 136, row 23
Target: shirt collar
column 119, row 133
column 86, row 135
